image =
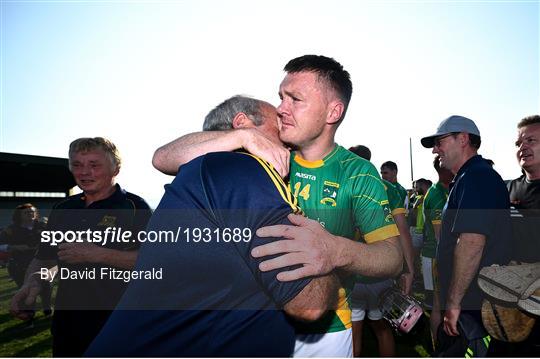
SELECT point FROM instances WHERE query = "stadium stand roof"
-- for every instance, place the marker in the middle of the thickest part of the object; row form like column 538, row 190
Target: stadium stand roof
column 31, row 173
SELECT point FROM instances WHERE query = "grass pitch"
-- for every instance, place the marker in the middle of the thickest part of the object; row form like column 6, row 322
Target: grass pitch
column 18, row 339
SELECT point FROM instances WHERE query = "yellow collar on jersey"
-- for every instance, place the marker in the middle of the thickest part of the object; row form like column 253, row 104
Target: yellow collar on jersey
column 314, row 164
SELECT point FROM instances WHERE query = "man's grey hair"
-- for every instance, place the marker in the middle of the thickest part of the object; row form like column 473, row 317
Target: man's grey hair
column 221, row 117
column 86, row 144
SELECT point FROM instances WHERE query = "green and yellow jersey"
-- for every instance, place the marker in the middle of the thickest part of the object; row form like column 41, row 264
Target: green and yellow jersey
column 397, row 207
column 394, row 198
column 402, row 192
column 434, row 202
column 346, row 195
column 419, row 227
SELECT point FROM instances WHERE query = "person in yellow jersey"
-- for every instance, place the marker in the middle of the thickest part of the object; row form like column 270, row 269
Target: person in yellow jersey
column 338, row 189
column 389, row 171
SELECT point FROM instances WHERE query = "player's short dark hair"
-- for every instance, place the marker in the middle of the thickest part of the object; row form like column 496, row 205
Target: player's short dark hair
column 529, row 120
column 423, row 181
column 390, row 165
column 361, row 151
column 328, row 70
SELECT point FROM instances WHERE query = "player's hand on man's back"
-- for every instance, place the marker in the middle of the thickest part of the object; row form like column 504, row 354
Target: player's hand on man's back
column 271, row 151
column 306, row 243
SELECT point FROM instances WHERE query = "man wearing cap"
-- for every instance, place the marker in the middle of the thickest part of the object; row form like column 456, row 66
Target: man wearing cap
column 475, row 230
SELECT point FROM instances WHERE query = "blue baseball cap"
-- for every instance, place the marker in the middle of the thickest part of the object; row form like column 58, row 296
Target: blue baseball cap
column 449, row 125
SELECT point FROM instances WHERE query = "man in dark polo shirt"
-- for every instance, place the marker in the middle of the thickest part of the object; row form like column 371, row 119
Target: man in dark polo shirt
column 525, row 192
column 476, row 229
column 525, row 200
column 84, row 299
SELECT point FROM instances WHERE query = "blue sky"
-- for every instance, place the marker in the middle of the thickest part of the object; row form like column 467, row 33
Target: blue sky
column 144, row 72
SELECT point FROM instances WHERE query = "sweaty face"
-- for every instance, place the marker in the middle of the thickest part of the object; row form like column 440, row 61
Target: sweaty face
column 303, row 109
column 93, row 171
column 269, row 125
column 528, row 147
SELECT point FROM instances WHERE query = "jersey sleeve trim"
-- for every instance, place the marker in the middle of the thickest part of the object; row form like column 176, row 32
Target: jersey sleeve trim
column 398, row 211
column 382, row 233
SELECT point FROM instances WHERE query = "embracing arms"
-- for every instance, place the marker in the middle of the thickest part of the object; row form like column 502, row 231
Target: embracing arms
column 169, row 157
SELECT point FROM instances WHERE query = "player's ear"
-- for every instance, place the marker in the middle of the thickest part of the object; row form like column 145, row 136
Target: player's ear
column 335, row 112
column 241, row 120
